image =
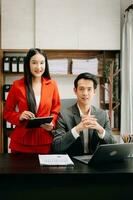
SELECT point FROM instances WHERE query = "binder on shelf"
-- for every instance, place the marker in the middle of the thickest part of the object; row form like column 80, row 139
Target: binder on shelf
column 21, row 64
column 14, row 66
column 6, row 63
column 8, row 125
column 6, row 89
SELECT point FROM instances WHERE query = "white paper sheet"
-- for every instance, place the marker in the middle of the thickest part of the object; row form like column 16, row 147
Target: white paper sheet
column 55, row 160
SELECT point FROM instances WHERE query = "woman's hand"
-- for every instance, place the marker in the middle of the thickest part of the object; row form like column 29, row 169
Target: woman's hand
column 26, row 115
column 48, row 127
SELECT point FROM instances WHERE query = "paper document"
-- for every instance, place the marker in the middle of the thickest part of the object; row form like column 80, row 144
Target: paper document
column 85, row 65
column 55, row 159
column 58, row 66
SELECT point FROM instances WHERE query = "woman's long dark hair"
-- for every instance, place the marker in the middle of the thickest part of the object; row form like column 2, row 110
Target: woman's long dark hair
column 28, row 77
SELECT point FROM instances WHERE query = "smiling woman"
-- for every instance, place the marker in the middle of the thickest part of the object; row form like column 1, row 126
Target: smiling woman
column 36, row 95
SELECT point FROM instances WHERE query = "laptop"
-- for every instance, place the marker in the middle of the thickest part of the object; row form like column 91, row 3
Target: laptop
column 108, row 153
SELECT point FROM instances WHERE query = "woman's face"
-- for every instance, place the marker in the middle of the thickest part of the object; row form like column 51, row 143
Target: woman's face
column 37, row 65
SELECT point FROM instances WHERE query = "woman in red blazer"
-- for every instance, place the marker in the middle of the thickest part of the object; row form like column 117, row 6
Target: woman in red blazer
column 35, row 95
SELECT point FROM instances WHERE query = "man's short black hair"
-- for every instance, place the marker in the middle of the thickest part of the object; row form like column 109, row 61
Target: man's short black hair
column 87, row 76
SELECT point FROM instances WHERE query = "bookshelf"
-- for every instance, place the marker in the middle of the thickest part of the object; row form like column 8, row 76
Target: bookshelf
column 103, row 58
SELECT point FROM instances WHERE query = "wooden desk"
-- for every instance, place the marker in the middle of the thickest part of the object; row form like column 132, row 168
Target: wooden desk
column 22, row 177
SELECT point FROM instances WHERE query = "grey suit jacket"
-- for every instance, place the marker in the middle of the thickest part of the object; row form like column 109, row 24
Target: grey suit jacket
column 64, row 142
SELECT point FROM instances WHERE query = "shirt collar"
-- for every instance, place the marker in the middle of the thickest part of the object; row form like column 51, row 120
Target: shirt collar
column 80, row 112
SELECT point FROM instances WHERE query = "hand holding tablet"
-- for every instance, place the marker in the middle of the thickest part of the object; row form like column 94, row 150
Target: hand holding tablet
column 37, row 122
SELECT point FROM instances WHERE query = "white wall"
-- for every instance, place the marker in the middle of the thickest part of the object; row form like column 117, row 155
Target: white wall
column 61, row 24
column 17, row 24
column 78, row 24
column 56, row 24
column 99, row 27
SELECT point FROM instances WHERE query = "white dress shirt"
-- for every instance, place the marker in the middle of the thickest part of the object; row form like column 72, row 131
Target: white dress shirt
column 37, row 98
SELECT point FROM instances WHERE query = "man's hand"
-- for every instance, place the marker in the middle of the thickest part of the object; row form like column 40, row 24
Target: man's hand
column 89, row 122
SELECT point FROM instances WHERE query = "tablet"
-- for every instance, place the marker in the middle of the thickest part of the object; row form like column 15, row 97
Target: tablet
column 37, row 122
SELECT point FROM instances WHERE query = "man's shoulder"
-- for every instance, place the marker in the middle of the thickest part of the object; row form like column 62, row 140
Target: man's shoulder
column 97, row 110
column 69, row 110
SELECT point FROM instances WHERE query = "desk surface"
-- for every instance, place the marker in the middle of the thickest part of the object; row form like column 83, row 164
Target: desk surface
column 29, row 164
column 23, row 173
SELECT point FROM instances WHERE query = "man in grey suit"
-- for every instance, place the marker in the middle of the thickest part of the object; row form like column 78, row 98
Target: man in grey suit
column 82, row 127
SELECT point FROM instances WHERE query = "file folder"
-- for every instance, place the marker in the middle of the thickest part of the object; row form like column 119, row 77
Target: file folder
column 7, row 125
column 14, row 66
column 21, row 64
column 6, row 89
column 6, row 63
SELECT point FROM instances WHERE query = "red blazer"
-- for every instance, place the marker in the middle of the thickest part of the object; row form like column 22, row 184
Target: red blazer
column 49, row 105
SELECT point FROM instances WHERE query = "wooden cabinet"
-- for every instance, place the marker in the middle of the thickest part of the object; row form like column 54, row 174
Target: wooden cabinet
column 103, row 58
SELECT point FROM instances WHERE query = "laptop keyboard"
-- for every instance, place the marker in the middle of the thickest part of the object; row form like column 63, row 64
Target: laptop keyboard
column 83, row 158
column 130, row 155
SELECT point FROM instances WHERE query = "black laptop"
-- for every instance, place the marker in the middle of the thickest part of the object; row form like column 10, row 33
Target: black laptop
column 108, row 153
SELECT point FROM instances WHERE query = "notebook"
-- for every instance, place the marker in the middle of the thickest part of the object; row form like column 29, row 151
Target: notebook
column 37, row 122
column 108, row 153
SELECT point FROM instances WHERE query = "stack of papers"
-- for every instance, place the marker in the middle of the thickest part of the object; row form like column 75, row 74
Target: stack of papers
column 58, row 66
column 85, row 65
column 55, row 160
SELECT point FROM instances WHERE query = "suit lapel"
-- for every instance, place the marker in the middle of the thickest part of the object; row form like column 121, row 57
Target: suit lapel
column 93, row 137
column 91, row 133
column 43, row 95
column 77, row 120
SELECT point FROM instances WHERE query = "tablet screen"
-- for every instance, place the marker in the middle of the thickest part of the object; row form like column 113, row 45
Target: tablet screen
column 37, row 122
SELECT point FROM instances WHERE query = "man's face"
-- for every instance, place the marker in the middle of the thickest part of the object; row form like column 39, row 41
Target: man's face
column 85, row 91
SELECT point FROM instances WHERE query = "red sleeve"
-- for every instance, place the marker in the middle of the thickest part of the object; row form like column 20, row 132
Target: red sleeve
column 10, row 114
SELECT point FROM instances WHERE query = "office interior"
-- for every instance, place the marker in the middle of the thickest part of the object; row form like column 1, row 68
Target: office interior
column 72, row 27
column 79, row 29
